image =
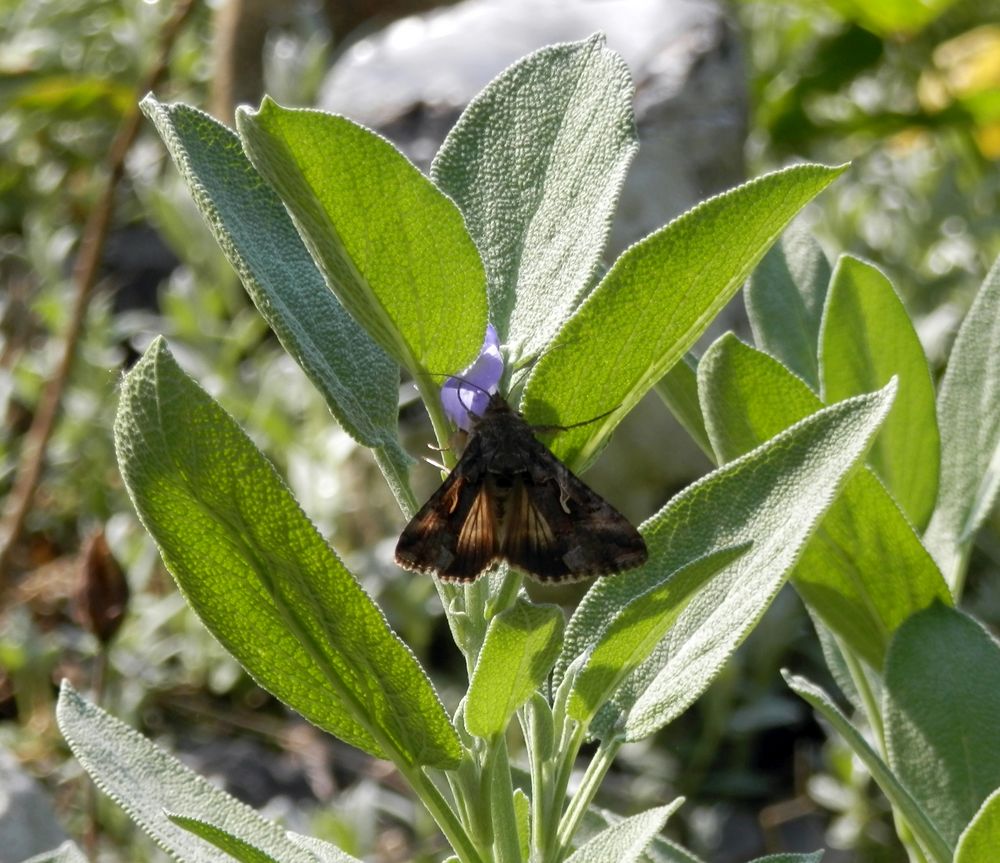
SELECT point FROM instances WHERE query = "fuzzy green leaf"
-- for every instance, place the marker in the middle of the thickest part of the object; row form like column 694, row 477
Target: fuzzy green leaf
column 625, row 841
column 969, row 417
column 148, row 784
column 260, row 576
column 864, row 571
column 941, row 704
column 358, row 380
column 867, row 337
column 654, row 303
column 745, row 502
column 634, row 630
column 235, row 847
column 391, row 246
column 900, row 798
column 980, row 840
column 521, row 645
column 536, row 163
column 785, row 298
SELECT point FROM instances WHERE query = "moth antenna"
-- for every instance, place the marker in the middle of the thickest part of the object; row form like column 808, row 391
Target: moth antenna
column 550, row 428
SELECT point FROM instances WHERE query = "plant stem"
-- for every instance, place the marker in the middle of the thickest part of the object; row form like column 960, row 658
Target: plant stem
column 863, row 686
column 592, row 778
column 501, row 796
column 572, row 739
column 441, row 811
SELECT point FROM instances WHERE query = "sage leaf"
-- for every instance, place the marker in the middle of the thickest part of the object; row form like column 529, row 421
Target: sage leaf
column 969, row 417
column 867, row 337
column 653, row 304
column 358, row 380
column 980, row 840
column 521, row 645
column 746, row 502
column 941, row 706
column 864, row 571
column 784, row 299
column 148, row 784
column 260, row 576
column 902, row 801
column 389, row 243
column 625, row 841
column 536, row 163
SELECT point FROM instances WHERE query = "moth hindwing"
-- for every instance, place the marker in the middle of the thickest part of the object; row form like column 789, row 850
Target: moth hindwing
column 510, row 499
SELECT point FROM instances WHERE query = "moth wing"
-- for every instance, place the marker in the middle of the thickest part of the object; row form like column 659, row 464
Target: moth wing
column 455, row 533
column 557, row 528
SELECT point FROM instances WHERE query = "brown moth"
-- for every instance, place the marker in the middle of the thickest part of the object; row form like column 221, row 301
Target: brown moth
column 510, row 499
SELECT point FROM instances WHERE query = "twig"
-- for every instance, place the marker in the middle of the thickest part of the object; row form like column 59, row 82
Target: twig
column 84, row 276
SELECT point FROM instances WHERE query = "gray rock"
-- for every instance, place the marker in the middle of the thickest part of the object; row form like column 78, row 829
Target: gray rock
column 411, row 81
column 28, row 823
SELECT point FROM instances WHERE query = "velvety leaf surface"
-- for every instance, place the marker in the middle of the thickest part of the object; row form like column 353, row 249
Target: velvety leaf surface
column 867, row 337
column 324, row 852
column 358, row 380
column 902, row 801
column 654, row 303
column 785, row 297
column 536, row 163
column 745, row 502
column 981, row 839
column 262, row 579
column 941, row 704
column 236, row 848
column 521, row 645
column 148, row 784
column 634, row 630
column 625, row 841
column 969, row 417
column 864, row 571
column 393, row 248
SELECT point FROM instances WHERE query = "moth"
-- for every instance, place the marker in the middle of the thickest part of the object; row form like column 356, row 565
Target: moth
column 510, row 499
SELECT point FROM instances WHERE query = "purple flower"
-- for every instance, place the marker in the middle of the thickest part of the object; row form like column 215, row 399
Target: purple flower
column 469, row 392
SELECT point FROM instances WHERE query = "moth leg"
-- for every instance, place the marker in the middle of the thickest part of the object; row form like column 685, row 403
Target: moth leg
column 436, row 464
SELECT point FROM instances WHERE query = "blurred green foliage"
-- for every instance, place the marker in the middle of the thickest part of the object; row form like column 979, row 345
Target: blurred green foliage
column 910, row 93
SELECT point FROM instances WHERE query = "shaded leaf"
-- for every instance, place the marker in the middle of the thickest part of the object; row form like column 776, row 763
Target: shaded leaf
column 867, row 338
column 900, row 798
column 969, row 417
column 785, row 297
column 941, row 705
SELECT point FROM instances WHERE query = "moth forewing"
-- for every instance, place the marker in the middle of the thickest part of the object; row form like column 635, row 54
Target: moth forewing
column 509, row 498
